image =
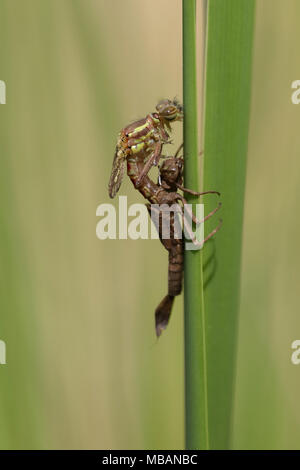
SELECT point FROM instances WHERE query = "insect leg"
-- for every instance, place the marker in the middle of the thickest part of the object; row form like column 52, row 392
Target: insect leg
column 215, row 230
column 192, row 237
column 190, row 213
column 195, row 193
column 178, row 150
column 152, row 161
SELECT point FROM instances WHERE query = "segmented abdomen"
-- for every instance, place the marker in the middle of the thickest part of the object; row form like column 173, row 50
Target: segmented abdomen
column 148, row 189
column 175, row 249
column 175, row 271
column 174, row 246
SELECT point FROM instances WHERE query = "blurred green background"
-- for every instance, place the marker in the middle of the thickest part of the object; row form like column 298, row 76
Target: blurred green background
column 84, row 369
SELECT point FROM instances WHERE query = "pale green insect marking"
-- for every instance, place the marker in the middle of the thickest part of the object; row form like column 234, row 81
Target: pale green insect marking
column 138, row 129
column 131, row 172
column 137, row 148
column 147, row 192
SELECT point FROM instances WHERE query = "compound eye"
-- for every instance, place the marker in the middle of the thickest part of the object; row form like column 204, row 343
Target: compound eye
column 171, row 113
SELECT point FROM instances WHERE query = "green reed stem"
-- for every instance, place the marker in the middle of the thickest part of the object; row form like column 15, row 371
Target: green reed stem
column 230, row 26
column 196, row 419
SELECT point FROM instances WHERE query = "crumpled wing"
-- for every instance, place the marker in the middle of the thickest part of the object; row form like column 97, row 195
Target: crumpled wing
column 117, row 174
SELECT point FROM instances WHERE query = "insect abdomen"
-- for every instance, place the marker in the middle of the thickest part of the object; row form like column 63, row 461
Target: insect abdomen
column 175, row 268
column 148, row 188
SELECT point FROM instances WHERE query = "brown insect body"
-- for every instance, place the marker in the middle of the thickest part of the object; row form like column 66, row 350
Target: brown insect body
column 143, row 140
column 140, row 145
column 165, row 193
column 171, row 176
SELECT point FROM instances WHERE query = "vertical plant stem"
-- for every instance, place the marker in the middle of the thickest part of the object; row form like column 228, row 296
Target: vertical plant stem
column 196, row 419
column 227, row 102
